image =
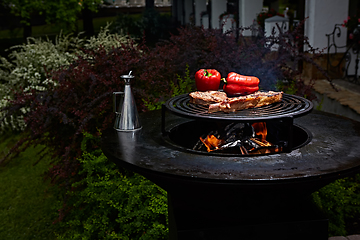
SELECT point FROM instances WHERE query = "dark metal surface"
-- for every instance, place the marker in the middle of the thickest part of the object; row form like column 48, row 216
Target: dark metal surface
column 332, row 153
column 290, row 106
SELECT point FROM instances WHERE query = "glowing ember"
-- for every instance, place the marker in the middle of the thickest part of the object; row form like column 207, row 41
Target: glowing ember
column 260, row 130
column 212, row 143
column 261, row 142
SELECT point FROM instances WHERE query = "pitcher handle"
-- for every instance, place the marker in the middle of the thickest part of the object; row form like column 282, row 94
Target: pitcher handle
column 114, row 101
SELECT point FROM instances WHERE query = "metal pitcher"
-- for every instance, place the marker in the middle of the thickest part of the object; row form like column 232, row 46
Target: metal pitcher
column 127, row 117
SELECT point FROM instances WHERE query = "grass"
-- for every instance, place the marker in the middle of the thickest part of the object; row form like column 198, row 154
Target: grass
column 27, row 207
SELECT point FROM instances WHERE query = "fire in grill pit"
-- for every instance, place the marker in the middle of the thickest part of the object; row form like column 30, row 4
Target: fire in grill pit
column 240, row 138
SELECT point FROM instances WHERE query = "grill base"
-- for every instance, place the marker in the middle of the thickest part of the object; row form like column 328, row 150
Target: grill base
column 226, row 215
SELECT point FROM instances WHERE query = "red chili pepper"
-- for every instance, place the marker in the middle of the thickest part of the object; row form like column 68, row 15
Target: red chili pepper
column 207, row 80
column 236, row 84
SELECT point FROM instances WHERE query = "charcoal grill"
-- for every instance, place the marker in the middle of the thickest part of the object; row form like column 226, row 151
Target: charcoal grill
column 236, row 197
column 282, row 112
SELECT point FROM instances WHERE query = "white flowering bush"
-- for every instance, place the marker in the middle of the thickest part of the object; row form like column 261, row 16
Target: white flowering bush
column 25, row 69
column 106, row 40
column 28, row 66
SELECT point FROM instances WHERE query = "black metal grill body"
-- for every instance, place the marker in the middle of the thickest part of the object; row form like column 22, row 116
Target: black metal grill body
column 212, row 197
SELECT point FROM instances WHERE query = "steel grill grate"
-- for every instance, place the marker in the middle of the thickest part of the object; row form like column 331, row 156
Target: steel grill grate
column 290, row 106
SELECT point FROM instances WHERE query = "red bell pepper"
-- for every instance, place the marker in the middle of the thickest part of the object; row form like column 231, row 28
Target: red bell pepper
column 236, row 84
column 207, row 80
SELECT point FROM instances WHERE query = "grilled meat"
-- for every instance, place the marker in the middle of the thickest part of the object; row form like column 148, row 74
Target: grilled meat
column 207, row 98
column 217, row 101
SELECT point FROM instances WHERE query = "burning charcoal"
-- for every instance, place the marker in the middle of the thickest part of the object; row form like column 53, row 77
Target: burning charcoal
column 231, row 144
column 212, row 142
column 214, row 132
column 262, row 143
column 252, row 144
column 232, row 138
column 240, row 129
column 200, row 145
column 236, row 131
column 243, row 150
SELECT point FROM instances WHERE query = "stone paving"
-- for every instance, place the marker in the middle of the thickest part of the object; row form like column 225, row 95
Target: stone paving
column 345, row 97
column 347, row 94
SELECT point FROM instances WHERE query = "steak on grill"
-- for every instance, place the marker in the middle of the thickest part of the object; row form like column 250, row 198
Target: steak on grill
column 218, row 101
column 207, row 98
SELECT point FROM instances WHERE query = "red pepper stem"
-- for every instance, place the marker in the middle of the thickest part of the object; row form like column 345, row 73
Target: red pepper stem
column 224, row 80
column 206, row 73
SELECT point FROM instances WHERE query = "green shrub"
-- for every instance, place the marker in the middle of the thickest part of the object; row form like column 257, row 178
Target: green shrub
column 184, row 85
column 340, row 201
column 109, row 203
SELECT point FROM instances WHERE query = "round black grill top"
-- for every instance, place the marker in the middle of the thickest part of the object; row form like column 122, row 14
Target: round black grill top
column 290, row 106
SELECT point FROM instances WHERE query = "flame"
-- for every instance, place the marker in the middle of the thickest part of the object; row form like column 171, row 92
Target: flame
column 260, row 130
column 211, row 142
